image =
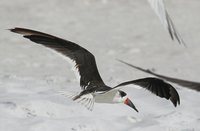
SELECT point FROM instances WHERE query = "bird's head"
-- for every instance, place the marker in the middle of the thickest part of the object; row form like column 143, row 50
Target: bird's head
column 124, row 99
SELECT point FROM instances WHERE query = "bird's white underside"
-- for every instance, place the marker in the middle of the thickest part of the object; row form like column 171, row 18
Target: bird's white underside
column 88, row 100
column 107, row 97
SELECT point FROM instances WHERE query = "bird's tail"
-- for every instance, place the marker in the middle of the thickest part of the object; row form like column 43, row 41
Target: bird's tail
column 86, row 100
column 69, row 94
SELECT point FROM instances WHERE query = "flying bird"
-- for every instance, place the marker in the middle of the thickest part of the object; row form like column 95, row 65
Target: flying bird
column 160, row 10
column 91, row 83
column 185, row 83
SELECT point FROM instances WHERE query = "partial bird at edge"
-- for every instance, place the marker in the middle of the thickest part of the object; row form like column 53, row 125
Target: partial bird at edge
column 185, row 83
column 160, row 10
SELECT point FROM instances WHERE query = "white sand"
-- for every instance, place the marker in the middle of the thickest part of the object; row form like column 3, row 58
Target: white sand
column 31, row 75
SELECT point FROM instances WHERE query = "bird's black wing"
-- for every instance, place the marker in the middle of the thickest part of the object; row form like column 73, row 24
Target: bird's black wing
column 85, row 61
column 185, row 83
column 157, row 87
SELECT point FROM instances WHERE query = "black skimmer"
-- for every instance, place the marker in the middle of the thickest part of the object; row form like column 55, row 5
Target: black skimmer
column 185, row 83
column 160, row 10
column 92, row 85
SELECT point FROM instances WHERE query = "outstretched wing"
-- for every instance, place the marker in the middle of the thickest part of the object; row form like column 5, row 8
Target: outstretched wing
column 85, row 61
column 157, row 87
column 185, row 83
column 159, row 8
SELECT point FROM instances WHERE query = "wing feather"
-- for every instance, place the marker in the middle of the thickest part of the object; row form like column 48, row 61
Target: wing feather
column 85, row 61
column 157, row 87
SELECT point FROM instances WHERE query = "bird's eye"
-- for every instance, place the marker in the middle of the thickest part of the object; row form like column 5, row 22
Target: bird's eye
column 122, row 94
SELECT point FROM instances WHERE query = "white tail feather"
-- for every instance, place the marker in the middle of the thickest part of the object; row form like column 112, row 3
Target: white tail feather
column 85, row 100
column 69, row 94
